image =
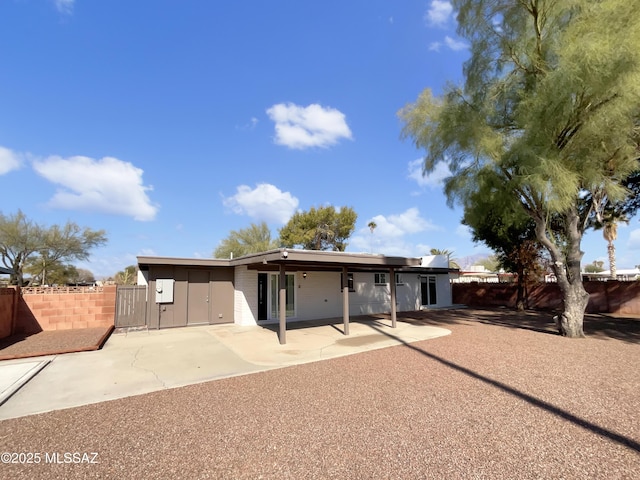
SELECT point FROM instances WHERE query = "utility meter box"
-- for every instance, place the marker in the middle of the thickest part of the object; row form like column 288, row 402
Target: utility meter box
column 164, row 290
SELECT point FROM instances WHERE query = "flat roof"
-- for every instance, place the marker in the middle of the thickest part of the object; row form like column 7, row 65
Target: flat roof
column 298, row 259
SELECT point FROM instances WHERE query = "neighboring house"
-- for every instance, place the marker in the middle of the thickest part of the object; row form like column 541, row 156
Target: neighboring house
column 623, row 275
column 247, row 290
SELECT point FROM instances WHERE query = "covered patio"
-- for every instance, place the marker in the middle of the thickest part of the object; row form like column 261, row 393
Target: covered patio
column 285, row 260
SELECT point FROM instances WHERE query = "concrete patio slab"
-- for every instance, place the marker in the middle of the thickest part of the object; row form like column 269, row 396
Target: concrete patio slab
column 314, row 341
column 139, row 362
column 14, row 376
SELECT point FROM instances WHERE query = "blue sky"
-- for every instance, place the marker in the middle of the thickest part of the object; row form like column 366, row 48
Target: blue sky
column 170, row 123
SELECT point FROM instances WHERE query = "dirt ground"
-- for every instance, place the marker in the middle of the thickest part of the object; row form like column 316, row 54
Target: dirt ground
column 53, row 342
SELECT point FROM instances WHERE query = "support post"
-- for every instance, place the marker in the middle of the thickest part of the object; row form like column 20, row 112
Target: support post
column 282, row 304
column 392, row 274
column 345, row 300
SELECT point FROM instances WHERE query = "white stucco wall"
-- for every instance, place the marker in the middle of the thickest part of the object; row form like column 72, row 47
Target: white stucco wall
column 319, row 295
column 245, row 302
column 319, row 292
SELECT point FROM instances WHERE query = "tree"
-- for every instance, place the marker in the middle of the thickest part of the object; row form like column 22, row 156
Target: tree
column 69, row 242
column 128, row 276
column 372, row 226
column 490, row 263
column 594, row 267
column 322, row 228
column 498, row 221
column 19, row 239
column 61, row 274
column 58, row 273
column 453, row 262
column 23, row 240
column 609, row 228
column 549, row 107
column 254, row 239
column 84, row 276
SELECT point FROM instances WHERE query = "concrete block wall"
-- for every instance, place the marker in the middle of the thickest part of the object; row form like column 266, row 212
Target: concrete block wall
column 616, row 297
column 57, row 309
column 8, row 309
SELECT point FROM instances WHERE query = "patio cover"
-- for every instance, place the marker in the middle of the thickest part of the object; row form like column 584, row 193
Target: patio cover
column 286, row 260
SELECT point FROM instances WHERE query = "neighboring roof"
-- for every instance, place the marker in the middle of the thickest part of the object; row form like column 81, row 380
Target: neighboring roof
column 5, row 271
column 620, row 273
column 301, row 259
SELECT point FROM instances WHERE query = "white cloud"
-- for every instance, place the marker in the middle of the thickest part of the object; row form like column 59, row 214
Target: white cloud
column 265, row 203
column 300, row 127
column 388, row 236
column 9, row 160
column 451, row 43
column 107, row 185
column 455, row 45
column 439, row 13
column 64, row 6
column 409, row 221
column 433, row 179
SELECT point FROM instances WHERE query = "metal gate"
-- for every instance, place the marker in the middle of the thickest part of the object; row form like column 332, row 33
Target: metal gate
column 131, row 306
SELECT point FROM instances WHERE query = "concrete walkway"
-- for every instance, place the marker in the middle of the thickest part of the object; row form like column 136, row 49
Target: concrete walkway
column 140, row 362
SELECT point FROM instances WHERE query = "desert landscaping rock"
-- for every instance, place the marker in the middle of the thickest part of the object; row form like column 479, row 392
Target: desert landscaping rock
column 502, row 397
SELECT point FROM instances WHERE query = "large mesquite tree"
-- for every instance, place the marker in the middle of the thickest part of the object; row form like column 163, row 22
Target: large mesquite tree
column 24, row 243
column 550, row 105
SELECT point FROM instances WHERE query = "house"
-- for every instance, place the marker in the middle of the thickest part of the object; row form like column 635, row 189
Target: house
column 285, row 285
column 622, row 275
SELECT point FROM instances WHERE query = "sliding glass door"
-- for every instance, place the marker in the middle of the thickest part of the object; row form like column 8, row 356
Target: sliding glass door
column 274, row 287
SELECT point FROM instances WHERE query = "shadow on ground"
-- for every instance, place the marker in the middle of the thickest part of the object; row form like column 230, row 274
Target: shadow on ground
column 595, row 326
column 531, row 399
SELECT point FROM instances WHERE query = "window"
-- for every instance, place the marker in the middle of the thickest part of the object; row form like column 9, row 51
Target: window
column 380, row 279
column 399, row 279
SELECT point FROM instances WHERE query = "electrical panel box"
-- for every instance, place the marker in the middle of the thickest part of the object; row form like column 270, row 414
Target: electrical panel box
column 164, row 290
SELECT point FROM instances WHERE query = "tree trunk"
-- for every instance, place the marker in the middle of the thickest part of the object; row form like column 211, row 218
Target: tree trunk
column 566, row 266
column 611, row 250
column 570, row 321
column 520, row 299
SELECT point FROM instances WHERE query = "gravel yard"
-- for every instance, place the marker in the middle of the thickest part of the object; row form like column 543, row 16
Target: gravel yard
column 502, row 397
column 53, row 342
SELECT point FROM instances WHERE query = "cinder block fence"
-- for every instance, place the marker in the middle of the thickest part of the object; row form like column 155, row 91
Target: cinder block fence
column 34, row 309
column 622, row 298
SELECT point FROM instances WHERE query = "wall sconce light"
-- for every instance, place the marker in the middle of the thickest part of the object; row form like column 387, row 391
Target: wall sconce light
column 304, row 275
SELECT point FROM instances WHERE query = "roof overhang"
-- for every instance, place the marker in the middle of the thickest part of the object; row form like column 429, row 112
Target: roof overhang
column 322, row 260
column 295, row 259
column 187, row 262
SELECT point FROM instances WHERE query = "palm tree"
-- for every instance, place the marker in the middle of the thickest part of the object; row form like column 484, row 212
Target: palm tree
column 609, row 225
column 372, row 226
column 453, row 262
